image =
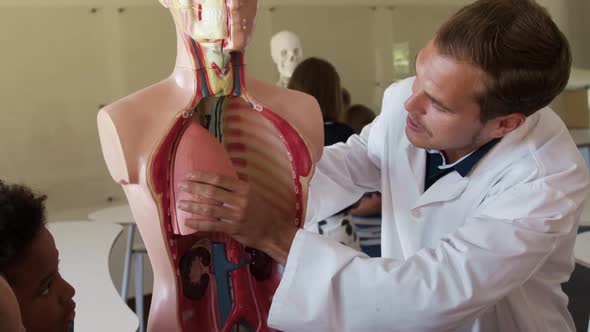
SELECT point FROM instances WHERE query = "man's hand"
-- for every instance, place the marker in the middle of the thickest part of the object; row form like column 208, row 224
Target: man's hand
column 237, row 214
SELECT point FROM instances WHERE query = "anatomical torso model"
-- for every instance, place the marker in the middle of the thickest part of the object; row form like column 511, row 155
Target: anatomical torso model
column 208, row 116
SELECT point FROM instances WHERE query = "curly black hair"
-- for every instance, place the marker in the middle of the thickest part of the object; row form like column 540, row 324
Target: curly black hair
column 22, row 215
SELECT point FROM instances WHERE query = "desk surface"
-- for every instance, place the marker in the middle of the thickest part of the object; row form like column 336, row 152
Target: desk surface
column 120, row 214
column 84, row 249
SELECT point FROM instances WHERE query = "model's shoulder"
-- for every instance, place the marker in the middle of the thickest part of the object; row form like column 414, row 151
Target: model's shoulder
column 128, row 127
column 161, row 95
column 276, row 96
column 394, row 97
column 300, row 110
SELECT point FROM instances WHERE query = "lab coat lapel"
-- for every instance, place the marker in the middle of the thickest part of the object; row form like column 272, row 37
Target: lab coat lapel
column 416, row 162
column 445, row 189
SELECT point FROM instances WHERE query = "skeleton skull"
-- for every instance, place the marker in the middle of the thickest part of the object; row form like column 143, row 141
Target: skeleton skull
column 286, row 52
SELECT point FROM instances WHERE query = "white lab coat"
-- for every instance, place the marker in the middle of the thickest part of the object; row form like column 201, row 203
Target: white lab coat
column 487, row 252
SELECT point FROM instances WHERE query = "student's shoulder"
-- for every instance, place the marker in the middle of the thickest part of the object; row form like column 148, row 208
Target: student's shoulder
column 392, row 117
column 399, row 90
column 394, row 97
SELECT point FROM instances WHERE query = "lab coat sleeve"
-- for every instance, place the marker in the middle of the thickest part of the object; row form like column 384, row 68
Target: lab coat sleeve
column 329, row 287
column 345, row 172
column 342, row 176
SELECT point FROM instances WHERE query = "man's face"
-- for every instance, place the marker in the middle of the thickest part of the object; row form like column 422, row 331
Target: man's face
column 45, row 299
column 443, row 111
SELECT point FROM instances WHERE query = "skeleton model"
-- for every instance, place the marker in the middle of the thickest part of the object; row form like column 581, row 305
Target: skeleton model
column 208, row 116
column 287, row 53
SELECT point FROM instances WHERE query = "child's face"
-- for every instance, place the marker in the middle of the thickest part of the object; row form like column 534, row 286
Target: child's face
column 45, row 299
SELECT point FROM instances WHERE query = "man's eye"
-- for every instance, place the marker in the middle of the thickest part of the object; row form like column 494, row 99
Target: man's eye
column 439, row 108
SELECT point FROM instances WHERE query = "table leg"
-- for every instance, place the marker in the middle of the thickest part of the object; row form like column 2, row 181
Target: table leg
column 127, row 267
column 138, row 258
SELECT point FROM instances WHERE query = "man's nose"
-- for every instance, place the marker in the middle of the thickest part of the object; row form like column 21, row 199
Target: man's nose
column 414, row 103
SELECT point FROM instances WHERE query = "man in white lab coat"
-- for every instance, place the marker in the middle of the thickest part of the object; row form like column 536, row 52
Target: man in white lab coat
column 482, row 189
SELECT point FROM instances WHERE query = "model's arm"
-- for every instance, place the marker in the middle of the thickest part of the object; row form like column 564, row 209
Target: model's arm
column 111, row 148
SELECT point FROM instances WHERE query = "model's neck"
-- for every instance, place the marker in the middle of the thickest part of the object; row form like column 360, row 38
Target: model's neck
column 217, row 72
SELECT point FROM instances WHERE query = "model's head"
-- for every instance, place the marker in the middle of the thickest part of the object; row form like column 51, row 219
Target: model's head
column 230, row 22
column 29, row 262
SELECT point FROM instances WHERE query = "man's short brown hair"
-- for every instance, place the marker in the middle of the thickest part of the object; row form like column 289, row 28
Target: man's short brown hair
column 526, row 57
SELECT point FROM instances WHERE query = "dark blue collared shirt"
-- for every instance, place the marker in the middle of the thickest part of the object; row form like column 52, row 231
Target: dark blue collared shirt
column 436, row 166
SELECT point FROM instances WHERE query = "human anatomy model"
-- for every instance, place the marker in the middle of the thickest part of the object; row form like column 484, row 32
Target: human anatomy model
column 208, row 116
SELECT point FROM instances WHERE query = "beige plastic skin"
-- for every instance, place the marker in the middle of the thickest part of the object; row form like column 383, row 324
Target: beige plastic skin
column 132, row 128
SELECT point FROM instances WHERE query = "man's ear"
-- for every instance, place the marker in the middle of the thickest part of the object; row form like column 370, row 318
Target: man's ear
column 505, row 124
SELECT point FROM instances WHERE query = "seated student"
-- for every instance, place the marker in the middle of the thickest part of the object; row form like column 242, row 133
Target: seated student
column 29, row 262
column 10, row 320
column 358, row 116
column 369, row 206
column 319, row 78
column 346, row 99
